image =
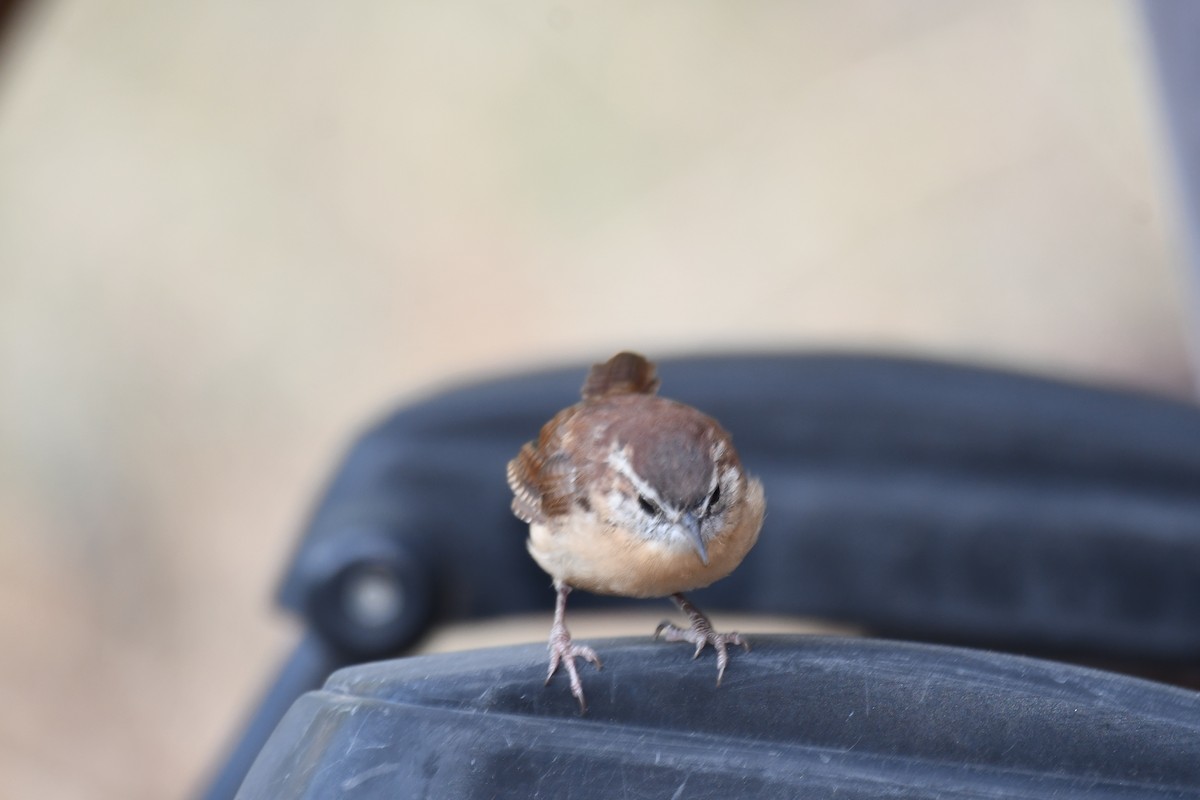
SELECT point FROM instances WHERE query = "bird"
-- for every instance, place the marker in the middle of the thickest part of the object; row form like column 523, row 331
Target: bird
column 630, row 494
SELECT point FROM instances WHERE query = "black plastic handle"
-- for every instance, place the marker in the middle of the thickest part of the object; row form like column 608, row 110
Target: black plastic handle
column 918, row 499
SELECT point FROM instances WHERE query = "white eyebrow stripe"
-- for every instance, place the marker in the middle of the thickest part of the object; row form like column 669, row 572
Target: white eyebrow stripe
column 718, row 451
column 618, row 459
column 730, row 476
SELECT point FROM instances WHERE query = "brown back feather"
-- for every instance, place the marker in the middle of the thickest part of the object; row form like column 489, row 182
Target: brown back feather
column 542, row 477
column 624, row 373
column 522, row 479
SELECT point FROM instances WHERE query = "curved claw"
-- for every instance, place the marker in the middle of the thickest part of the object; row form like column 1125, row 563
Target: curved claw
column 700, row 634
column 563, row 652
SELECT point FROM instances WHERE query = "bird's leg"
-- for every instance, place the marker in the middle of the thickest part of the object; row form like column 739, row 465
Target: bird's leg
column 564, row 651
column 700, row 633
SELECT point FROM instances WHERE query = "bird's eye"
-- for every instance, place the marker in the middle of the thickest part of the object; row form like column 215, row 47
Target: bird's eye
column 713, row 499
column 647, row 505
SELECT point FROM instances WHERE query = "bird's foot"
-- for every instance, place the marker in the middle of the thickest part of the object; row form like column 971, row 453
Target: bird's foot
column 701, row 633
column 564, row 651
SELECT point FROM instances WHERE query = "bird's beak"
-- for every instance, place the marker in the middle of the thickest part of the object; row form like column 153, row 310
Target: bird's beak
column 689, row 526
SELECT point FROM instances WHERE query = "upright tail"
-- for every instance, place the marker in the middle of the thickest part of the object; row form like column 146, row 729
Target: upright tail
column 624, row 373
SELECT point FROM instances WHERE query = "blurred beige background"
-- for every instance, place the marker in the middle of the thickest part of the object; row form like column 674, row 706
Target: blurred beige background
column 230, row 232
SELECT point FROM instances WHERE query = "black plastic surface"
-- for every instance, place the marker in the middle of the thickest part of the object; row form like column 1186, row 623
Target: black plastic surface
column 809, row 717
column 309, row 665
column 917, row 499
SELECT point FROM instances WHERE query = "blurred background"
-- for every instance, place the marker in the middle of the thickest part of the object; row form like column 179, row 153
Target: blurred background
column 231, row 233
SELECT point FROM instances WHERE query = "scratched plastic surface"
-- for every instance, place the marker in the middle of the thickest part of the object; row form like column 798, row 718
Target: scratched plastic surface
column 915, row 499
column 809, row 717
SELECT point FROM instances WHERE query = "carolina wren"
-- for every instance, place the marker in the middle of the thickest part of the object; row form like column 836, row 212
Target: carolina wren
column 631, row 494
